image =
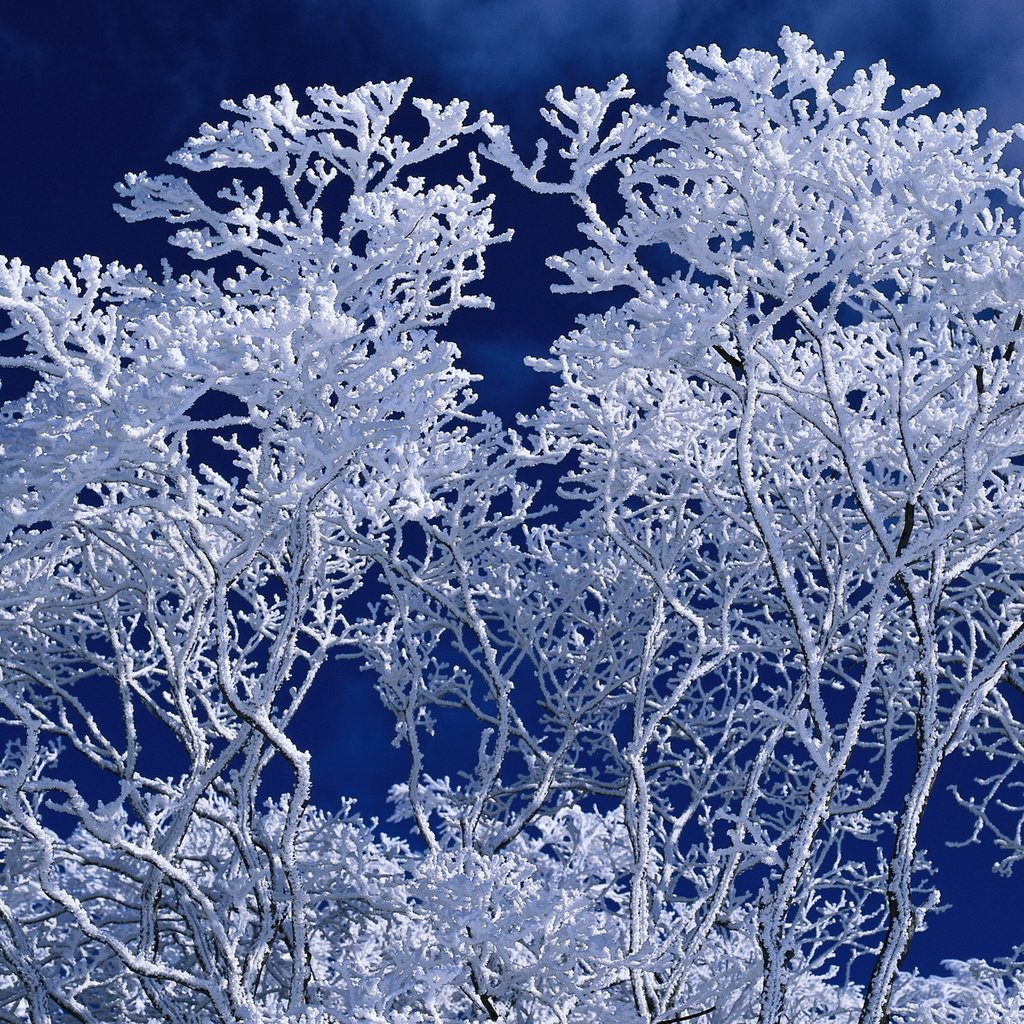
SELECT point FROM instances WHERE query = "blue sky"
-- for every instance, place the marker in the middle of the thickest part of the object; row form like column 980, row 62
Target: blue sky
column 91, row 91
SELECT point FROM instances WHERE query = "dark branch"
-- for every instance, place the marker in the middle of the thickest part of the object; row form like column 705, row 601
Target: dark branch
column 734, row 361
column 687, row 1016
column 908, row 528
column 1015, row 634
column 1016, row 328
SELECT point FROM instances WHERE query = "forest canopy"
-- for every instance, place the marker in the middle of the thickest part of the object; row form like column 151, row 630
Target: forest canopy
column 715, row 619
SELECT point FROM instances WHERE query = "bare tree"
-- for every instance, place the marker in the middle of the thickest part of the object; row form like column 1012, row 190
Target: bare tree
column 705, row 699
column 802, row 435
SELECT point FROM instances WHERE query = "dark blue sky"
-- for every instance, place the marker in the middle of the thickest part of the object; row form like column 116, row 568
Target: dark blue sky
column 91, row 91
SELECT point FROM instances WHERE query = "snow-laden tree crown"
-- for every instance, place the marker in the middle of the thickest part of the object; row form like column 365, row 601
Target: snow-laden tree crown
column 716, row 619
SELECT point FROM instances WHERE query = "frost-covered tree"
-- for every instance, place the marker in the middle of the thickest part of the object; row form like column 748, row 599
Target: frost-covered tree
column 707, row 684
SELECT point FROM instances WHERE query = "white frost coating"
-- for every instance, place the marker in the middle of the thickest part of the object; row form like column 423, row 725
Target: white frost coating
column 786, row 560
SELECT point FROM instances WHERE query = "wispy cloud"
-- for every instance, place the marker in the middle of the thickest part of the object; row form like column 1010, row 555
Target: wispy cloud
column 18, row 47
column 508, row 50
column 511, row 44
column 973, row 51
column 184, row 56
column 489, row 50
